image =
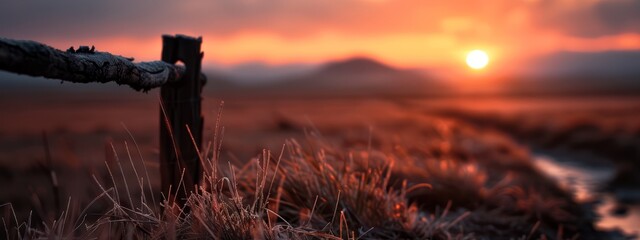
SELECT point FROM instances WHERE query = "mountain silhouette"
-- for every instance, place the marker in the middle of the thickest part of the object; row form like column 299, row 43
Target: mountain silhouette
column 609, row 72
column 357, row 65
column 360, row 76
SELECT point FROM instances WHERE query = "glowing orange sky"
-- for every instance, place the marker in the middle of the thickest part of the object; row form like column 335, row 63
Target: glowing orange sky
column 411, row 33
column 440, row 51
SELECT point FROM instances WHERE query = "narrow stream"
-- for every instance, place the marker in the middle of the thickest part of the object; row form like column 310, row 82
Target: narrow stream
column 585, row 180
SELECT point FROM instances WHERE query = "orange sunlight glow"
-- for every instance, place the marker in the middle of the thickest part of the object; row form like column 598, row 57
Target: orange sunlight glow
column 477, row 59
column 438, row 51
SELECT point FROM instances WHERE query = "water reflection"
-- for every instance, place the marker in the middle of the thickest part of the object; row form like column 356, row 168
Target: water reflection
column 628, row 222
column 585, row 181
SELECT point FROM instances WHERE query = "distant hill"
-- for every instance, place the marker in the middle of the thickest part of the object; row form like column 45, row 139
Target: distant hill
column 356, row 66
column 359, row 76
column 610, row 72
column 608, row 64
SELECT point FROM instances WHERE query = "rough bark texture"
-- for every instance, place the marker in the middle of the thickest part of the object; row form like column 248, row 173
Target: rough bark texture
column 84, row 66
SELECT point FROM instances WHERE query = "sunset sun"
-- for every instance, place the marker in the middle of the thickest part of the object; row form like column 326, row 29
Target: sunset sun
column 477, row 59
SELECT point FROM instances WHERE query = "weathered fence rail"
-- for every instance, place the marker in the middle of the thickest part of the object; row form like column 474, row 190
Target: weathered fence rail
column 181, row 121
column 84, row 65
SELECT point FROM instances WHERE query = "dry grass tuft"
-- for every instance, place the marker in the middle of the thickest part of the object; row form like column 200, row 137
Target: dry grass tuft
column 319, row 191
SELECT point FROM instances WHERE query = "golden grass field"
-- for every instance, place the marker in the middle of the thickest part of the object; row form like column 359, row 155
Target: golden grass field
column 350, row 167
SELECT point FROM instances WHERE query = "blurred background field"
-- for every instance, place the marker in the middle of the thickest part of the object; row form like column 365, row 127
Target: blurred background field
column 586, row 145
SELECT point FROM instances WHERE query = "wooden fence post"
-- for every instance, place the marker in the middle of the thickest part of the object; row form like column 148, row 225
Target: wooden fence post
column 181, row 108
